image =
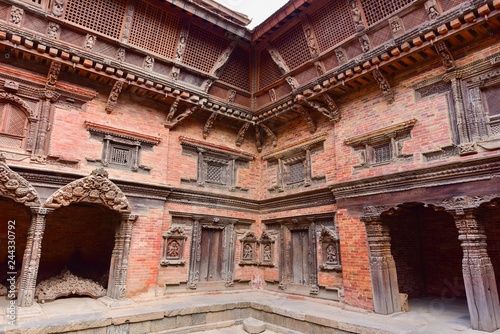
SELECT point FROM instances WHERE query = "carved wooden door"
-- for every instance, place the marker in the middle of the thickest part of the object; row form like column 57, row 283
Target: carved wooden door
column 299, row 257
column 211, row 255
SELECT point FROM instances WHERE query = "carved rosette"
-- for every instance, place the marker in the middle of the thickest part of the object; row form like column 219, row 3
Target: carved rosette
column 14, row 186
column 68, row 284
column 95, row 188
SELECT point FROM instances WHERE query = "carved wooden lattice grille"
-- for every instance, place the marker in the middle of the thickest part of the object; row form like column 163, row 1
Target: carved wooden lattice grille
column 492, row 99
column 269, row 71
column 214, row 173
column 155, row 29
column 120, row 156
column 104, row 16
column 332, row 23
column 378, row 10
column 382, row 153
column 13, row 124
column 237, row 70
column 203, row 49
column 293, row 48
column 296, row 172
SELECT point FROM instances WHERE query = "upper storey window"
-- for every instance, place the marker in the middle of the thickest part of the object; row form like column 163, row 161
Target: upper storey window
column 13, row 125
column 492, row 104
column 378, row 10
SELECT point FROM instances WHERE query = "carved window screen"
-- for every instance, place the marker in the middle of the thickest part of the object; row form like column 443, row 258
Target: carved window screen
column 155, row 29
column 214, row 173
column 120, row 156
column 103, row 16
column 269, row 71
column 492, row 98
column 332, row 24
column 296, row 172
column 378, row 10
column 203, row 49
column 293, row 48
column 13, row 124
column 237, row 70
column 382, row 153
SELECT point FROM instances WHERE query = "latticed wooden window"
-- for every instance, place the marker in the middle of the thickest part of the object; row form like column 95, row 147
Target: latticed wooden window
column 155, row 29
column 103, row 16
column 13, row 124
column 214, row 172
column 296, row 172
column 120, row 156
column 203, row 49
column 378, row 10
column 492, row 98
column 293, row 48
column 332, row 23
column 269, row 71
column 237, row 70
column 382, row 153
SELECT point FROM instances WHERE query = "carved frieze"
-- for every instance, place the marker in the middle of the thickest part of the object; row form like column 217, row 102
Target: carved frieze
column 14, row 186
column 95, row 188
column 68, row 284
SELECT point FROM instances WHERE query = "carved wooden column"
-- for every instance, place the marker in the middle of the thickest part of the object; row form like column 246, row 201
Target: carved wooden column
column 386, row 298
column 479, row 276
column 195, row 255
column 31, row 258
column 119, row 258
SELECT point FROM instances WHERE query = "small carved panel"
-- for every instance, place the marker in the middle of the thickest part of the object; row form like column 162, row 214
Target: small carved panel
column 173, row 247
column 248, row 249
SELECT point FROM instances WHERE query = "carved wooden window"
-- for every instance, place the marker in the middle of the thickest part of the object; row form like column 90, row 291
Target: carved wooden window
column 237, row 70
column 491, row 97
column 330, row 250
column 378, row 10
column 266, row 243
column 120, row 151
column 269, row 72
column 103, row 16
column 215, row 168
column 293, row 48
column 295, row 171
column 382, row 146
column 173, row 247
column 248, row 249
column 13, row 125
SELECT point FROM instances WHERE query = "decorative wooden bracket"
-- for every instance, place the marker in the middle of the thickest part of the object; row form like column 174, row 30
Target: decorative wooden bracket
column 178, row 119
column 241, row 134
column 384, row 85
column 307, row 117
column 327, row 107
column 442, row 50
column 209, row 124
column 55, row 69
column 223, row 58
column 173, row 110
column 181, row 46
column 277, row 59
column 258, row 138
column 310, row 37
column 270, row 134
column 113, row 95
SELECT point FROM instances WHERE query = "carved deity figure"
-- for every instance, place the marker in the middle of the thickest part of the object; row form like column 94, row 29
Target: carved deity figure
column 331, row 254
column 53, row 30
column 57, row 8
column 173, row 249
column 149, row 62
column 89, row 42
column 16, row 15
column 247, row 252
column 267, row 253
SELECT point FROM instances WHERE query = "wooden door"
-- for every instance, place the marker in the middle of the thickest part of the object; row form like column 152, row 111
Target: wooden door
column 211, row 255
column 300, row 255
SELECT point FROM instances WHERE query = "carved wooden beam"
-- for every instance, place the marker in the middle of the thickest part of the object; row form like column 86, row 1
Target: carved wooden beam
column 442, row 50
column 179, row 118
column 113, row 95
column 258, row 138
column 310, row 37
column 223, row 58
column 270, row 134
column 55, row 69
column 277, row 59
column 241, row 134
column 307, row 117
column 209, row 124
column 384, row 85
column 172, row 111
column 327, row 107
column 181, row 45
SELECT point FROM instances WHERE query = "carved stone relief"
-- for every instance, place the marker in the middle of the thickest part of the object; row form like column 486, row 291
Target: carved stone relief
column 14, row 186
column 173, row 247
column 248, row 253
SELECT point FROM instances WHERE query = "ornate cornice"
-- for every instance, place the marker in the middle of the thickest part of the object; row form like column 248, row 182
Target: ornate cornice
column 295, row 147
column 126, row 134
column 387, row 132
column 444, row 174
column 219, row 149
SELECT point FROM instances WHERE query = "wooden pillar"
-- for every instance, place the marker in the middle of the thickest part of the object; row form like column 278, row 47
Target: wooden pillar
column 386, row 298
column 195, row 255
column 479, row 276
column 31, row 258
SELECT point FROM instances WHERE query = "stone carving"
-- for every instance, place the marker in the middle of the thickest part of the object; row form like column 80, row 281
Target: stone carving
column 16, row 15
column 330, row 250
column 53, row 30
column 209, row 124
column 396, row 25
column 149, row 63
column 67, row 284
column 356, row 15
column 384, row 85
column 365, row 43
column 89, row 42
column 94, row 188
column 248, row 247
column 120, row 55
column 57, row 8
column 181, row 46
column 431, row 8
column 223, row 59
column 113, row 95
column 445, row 54
column 55, row 69
column 173, row 248
column 341, row 55
column 241, row 134
column 14, row 186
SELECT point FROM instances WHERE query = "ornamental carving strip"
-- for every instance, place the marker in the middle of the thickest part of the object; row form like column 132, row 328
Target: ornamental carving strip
column 113, row 96
column 20, row 103
column 95, row 188
column 14, row 186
